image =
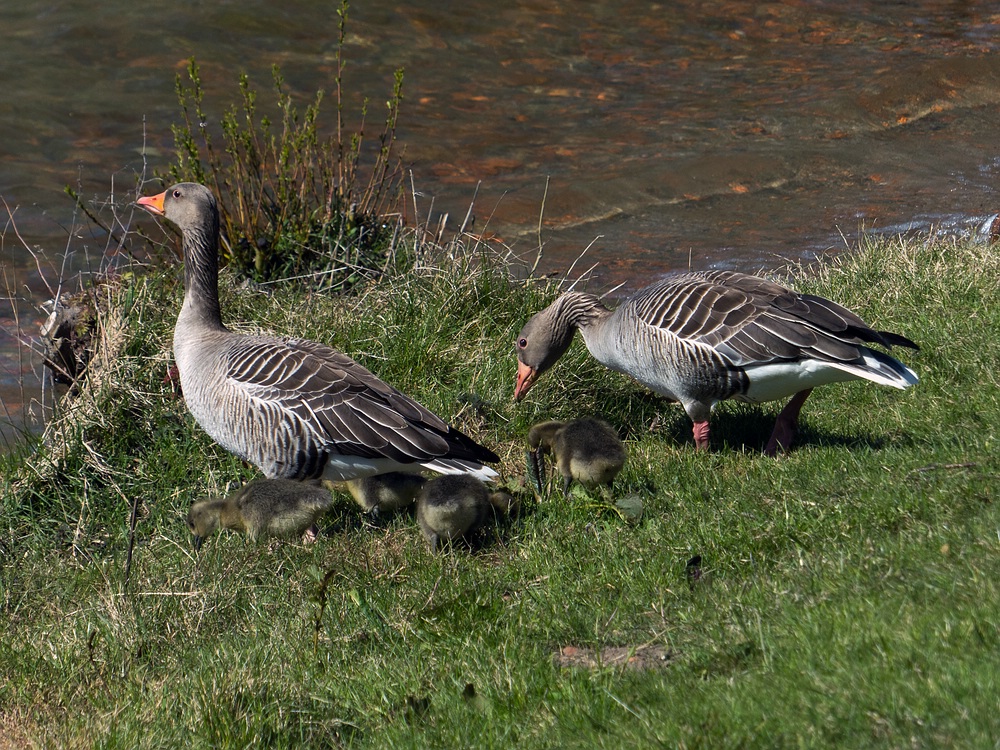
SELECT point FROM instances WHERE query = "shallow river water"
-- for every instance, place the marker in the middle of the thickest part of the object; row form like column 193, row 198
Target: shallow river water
column 708, row 133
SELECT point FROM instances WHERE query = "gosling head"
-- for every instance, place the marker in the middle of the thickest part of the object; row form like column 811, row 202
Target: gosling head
column 202, row 520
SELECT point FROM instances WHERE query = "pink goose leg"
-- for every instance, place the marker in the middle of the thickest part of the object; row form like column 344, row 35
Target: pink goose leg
column 701, row 435
column 786, row 425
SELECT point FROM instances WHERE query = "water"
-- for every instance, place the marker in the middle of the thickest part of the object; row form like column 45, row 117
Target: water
column 715, row 134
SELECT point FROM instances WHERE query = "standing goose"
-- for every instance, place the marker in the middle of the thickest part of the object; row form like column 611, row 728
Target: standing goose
column 295, row 408
column 701, row 338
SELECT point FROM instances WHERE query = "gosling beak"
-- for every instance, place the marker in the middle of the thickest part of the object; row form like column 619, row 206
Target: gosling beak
column 526, row 377
column 153, row 203
column 196, row 541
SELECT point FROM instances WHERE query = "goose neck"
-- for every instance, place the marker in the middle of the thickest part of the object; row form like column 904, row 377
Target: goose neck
column 583, row 311
column 201, row 275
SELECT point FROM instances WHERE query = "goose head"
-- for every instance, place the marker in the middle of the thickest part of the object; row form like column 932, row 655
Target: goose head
column 540, row 344
column 191, row 208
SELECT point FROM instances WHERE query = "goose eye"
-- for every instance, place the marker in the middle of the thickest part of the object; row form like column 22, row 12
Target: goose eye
column 521, row 343
column 177, row 194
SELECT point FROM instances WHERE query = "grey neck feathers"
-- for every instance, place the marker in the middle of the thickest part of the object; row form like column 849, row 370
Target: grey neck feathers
column 201, row 273
column 580, row 310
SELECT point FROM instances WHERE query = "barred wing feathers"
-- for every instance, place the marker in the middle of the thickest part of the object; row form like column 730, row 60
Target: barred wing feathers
column 340, row 405
column 750, row 320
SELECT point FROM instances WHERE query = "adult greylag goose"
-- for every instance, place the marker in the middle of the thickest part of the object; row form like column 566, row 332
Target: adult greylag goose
column 701, row 338
column 264, row 507
column 587, row 450
column 452, row 508
column 295, row 408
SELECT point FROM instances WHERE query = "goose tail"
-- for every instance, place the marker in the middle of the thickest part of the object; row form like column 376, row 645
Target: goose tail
column 880, row 368
column 461, row 466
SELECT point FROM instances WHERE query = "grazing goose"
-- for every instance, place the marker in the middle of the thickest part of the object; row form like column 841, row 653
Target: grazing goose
column 264, row 507
column 450, row 508
column 295, row 408
column 385, row 493
column 701, row 338
column 587, row 450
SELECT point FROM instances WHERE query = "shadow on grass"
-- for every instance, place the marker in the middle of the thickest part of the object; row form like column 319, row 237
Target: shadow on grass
column 748, row 430
column 745, row 428
column 735, row 426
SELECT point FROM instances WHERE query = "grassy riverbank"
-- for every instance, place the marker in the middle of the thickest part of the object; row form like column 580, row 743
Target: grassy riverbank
column 849, row 594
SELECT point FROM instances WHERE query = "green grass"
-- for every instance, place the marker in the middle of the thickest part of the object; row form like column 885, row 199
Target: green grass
column 853, row 597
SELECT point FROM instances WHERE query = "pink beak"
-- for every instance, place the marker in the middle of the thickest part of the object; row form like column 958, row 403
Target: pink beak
column 526, row 377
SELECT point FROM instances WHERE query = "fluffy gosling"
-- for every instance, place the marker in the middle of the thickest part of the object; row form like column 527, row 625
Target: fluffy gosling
column 386, row 493
column 454, row 507
column 587, row 450
column 264, row 507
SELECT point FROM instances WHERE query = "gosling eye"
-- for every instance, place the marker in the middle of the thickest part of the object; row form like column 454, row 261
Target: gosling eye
column 521, row 343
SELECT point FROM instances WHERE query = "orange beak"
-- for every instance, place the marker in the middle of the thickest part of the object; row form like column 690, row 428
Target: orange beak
column 153, row 203
column 526, row 377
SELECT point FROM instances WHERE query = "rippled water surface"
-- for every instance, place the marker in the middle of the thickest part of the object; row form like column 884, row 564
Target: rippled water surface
column 712, row 133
